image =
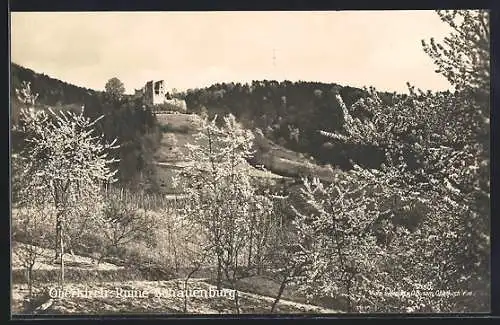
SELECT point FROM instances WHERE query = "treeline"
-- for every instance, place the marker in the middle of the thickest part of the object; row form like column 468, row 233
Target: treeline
column 125, row 118
column 50, row 91
column 290, row 114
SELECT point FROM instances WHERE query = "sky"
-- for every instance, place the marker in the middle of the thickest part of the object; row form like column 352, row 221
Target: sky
column 196, row 49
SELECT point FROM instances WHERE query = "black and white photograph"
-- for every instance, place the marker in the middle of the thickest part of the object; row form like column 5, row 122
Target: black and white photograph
column 250, row 162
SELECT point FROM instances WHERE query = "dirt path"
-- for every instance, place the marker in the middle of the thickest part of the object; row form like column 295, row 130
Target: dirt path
column 290, row 303
column 168, row 302
column 269, row 299
column 77, row 261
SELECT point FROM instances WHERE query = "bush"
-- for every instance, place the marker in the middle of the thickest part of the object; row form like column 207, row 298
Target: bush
column 184, row 129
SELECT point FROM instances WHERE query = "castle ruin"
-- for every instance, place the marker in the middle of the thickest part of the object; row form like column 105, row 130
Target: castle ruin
column 156, row 94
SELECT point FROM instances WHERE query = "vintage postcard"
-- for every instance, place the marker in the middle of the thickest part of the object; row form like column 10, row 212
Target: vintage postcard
column 250, row 162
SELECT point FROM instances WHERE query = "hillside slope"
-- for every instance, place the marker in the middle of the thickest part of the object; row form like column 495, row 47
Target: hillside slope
column 179, row 129
column 170, row 158
column 168, row 152
column 51, row 91
column 125, row 119
column 290, row 115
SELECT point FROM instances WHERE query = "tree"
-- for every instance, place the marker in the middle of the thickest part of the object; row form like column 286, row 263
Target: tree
column 196, row 252
column 285, row 258
column 338, row 247
column 124, row 220
column 435, row 234
column 115, row 88
column 30, row 221
column 64, row 158
column 464, row 58
column 220, row 188
column 262, row 230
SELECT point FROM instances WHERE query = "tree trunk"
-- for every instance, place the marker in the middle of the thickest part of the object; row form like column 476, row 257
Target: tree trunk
column 250, row 245
column 186, row 284
column 61, row 244
column 58, row 236
column 236, row 302
column 58, row 204
column 219, row 273
column 258, row 259
column 30, row 280
column 236, row 297
column 101, row 258
column 349, row 303
column 185, row 296
column 232, row 283
column 174, row 249
column 280, row 292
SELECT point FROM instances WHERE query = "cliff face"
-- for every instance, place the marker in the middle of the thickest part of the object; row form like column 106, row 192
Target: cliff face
column 170, row 158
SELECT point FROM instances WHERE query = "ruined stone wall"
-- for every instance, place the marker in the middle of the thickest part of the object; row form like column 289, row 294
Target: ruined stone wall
column 148, row 93
column 159, row 92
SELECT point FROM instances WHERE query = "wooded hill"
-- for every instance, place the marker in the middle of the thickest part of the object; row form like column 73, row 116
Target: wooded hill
column 290, row 114
column 286, row 116
column 125, row 119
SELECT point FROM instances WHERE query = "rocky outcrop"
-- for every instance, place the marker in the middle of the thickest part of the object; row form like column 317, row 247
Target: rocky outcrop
column 170, row 159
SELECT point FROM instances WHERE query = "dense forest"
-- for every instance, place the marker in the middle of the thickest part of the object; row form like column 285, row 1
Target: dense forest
column 125, row 118
column 290, row 114
column 51, row 91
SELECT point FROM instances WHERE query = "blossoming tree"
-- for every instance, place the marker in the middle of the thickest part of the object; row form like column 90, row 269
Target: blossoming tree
column 427, row 248
column 62, row 158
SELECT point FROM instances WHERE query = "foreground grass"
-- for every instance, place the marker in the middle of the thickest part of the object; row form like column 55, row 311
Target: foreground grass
column 45, row 259
column 80, row 269
column 132, row 290
column 151, row 297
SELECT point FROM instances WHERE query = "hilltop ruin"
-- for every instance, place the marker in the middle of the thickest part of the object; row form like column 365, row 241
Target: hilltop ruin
column 156, row 94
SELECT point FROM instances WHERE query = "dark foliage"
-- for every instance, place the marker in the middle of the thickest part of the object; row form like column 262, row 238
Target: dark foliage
column 289, row 113
column 125, row 118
